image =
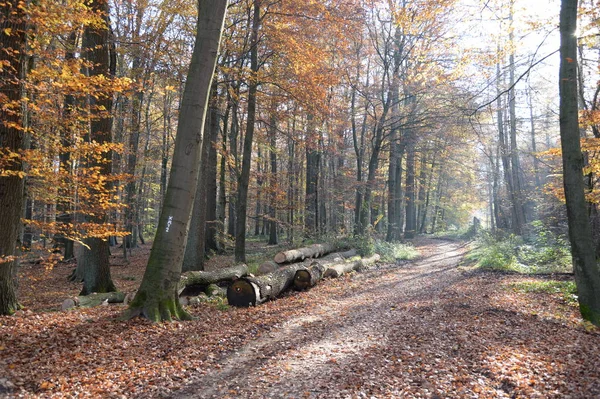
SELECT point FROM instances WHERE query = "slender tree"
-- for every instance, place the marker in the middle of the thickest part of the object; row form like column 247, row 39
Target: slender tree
column 244, row 177
column 157, row 298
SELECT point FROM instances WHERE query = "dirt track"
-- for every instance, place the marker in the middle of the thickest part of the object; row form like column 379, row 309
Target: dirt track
column 422, row 329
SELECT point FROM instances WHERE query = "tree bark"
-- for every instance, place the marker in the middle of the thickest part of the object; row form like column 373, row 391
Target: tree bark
column 157, row 297
column 212, row 223
column 273, row 188
column 195, row 250
column 94, row 264
column 585, row 264
column 335, row 270
column 313, row 251
column 205, row 278
column 251, row 291
column 12, row 18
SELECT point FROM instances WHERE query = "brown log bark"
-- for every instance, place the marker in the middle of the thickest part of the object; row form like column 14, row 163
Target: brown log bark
column 205, row 279
column 299, row 254
column 251, row 291
column 337, row 269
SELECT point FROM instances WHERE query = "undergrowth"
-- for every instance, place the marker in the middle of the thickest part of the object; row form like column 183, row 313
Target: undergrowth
column 389, row 251
column 540, row 251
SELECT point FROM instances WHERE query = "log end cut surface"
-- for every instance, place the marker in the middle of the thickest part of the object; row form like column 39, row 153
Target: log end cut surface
column 302, row 280
column 241, row 294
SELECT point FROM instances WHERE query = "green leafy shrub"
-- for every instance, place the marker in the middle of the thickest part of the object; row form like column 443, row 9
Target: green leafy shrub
column 543, row 252
column 492, row 253
column 390, row 252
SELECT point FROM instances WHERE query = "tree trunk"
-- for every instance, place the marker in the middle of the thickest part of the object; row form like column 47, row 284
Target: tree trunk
column 411, row 215
column 244, row 180
column 514, row 150
column 273, row 188
column 585, row 264
column 212, row 223
column 11, row 138
column 94, row 264
column 157, row 297
column 195, row 250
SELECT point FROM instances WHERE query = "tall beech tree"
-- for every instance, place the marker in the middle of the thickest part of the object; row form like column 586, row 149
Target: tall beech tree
column 585, row 263
column 157, row 297
column 12, row 140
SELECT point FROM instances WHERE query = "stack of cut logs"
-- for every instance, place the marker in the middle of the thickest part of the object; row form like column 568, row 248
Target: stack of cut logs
column 297, row 268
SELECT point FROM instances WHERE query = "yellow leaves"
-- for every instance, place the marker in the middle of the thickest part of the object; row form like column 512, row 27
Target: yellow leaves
column 7, row 31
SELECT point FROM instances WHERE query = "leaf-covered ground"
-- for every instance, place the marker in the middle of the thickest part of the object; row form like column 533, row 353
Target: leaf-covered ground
column 420, row 329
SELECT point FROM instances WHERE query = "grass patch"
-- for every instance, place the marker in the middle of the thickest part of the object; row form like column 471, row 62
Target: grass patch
column 564, row 289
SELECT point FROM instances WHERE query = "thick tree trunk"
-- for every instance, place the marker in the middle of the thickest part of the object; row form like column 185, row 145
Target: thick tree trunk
column 244, row 180
column 96, row 267
column 12, row 18
column 585, row 264
column 157, row 297
column 94, row 264
column 195, row 250
column 313, row 251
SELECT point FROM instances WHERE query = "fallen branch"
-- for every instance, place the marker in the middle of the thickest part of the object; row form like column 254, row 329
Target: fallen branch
column 92, row 300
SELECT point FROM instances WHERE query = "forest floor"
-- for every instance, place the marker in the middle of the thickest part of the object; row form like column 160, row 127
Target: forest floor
column 422, row 329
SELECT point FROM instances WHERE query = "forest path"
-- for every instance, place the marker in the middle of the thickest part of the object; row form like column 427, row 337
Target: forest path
column 421, row 329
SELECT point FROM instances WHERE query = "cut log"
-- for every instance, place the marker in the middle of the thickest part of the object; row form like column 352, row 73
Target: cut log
column 337, row 269
column 92, row 300
column 204, row 279
column 267, row 267
column 299, row 254
column 347, row 254
column 308, row 277
column 251, row 291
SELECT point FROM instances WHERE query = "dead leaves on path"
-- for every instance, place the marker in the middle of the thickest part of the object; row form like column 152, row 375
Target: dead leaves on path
column 471, row 338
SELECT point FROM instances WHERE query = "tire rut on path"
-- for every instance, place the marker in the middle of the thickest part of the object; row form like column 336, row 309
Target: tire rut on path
column 324, row 352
